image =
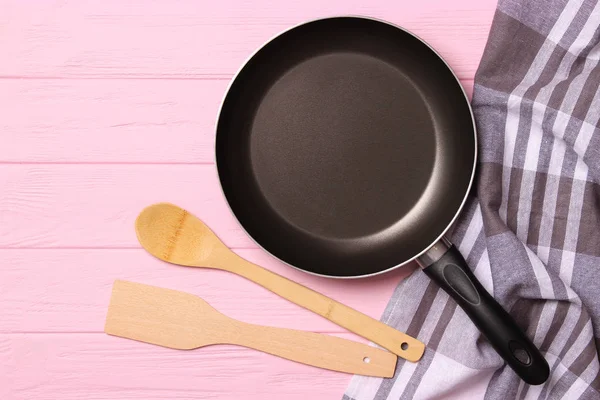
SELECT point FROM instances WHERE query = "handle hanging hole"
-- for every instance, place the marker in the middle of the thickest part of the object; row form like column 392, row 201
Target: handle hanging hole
column 366, row 360
column 404, row 346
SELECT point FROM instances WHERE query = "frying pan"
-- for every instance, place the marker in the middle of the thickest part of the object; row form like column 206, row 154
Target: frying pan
column 346, row 147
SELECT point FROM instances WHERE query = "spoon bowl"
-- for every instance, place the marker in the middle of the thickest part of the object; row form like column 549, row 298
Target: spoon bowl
column 172, row 234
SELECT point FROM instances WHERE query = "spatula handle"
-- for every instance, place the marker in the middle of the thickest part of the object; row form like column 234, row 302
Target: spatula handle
column 318, row 350
column 376, row 331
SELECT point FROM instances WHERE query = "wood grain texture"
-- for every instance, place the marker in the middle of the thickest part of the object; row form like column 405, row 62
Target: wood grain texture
column 95, row 206
column 111, row 121
column 55, row 290
column 187, row 39
column 122, row 120
column 91, row 93
column 103, row 367
column 180, row 320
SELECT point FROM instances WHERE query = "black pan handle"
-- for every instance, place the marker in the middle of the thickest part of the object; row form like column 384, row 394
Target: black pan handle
column 454, row 276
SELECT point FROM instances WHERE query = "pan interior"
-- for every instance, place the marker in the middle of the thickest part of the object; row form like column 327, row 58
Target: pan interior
column 342, row 146
column 345, row 147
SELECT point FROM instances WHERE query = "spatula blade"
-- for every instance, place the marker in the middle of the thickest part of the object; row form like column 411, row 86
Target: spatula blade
column 155, row 315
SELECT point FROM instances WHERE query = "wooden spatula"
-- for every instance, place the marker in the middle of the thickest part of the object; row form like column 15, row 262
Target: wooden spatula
column 172, row 234
column 180, row 320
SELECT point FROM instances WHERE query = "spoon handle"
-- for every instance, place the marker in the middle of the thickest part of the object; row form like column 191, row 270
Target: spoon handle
column 376, row 331
column 319, row 350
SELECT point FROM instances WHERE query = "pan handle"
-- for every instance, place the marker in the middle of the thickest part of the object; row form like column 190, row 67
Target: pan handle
column 451, row 272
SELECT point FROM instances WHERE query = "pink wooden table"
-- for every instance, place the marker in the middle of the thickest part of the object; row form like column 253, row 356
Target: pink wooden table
column 108, row 106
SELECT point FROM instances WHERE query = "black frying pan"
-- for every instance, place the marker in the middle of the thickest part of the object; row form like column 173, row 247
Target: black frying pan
column 346, row 147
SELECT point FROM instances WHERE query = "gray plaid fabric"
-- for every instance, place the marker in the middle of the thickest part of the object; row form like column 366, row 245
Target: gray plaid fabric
column 531, row 232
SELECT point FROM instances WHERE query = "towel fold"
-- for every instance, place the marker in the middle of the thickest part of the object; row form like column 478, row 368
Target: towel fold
column 531, row 230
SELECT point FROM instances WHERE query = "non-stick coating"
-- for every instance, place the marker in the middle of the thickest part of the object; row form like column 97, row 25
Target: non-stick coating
column 345, row 146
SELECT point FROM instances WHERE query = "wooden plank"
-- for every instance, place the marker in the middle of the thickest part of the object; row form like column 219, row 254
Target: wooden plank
column 80, row 120
column 96, row 205
column 103, row 367
column 111, row 121
column 190, row 39
column 69, row 290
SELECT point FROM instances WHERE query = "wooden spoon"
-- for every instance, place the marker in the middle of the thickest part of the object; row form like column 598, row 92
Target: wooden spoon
column 179, row 320
column 172, row 234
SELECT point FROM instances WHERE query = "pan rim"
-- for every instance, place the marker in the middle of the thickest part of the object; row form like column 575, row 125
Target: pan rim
column 441, row 236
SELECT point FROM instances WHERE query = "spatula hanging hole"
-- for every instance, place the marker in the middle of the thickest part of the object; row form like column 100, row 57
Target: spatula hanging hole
column 404, row 346
column 366, row 360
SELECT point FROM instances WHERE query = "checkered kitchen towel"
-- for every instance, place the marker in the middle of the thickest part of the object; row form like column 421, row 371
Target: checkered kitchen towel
column 532, row 234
